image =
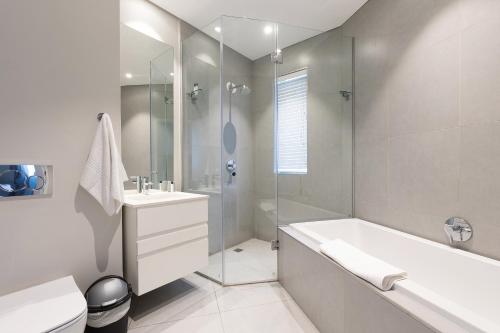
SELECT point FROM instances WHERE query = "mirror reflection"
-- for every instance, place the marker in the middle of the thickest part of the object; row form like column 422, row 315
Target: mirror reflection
column 146, row 80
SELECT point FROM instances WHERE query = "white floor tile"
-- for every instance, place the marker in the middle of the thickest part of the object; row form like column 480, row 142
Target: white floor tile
column 197, row 305
column 203, row 324
column 238, row 297
column 201, row 282
column 278, row 317
column 257, row 262
column 180, row 299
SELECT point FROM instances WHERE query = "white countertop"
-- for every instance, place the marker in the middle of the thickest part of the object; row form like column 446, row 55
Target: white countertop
column 157, row 197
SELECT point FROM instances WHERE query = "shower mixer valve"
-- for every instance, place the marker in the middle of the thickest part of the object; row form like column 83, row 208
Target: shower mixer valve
column 231, row 167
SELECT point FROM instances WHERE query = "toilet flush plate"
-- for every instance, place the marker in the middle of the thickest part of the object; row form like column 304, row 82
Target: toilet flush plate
column 25, row 180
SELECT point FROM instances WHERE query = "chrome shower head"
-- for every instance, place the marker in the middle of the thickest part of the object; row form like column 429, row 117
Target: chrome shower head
column 238, row 89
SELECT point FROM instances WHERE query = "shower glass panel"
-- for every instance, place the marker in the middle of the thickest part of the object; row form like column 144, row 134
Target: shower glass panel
column 249, row 188
column 314, row 126
column 162, row 114
column 267, row 135
column 201, row 143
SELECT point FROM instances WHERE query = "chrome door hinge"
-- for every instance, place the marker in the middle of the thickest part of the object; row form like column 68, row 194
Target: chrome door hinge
column 275, row 244
column 277, row 57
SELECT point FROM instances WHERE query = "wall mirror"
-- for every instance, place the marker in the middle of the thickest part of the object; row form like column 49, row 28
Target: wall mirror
column 147, row 105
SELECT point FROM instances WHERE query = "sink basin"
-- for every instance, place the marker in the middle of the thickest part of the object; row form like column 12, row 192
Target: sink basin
column 156, row 197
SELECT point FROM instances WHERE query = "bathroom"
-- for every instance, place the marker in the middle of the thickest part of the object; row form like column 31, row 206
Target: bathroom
column 261, row 141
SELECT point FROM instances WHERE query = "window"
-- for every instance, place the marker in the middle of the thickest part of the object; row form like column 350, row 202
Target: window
column 291, row 126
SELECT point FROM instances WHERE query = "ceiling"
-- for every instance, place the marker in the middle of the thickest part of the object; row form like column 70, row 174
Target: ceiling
column 137, row 50
column 314, row 16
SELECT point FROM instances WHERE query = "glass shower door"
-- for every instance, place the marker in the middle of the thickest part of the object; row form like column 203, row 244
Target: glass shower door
column 248, row 180
column 201, row 143
column 314, row 127
column 267, row 134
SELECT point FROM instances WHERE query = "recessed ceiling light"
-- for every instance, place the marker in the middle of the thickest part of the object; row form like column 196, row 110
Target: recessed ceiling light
column 268, row 29
column 171, row 74
column 128, row 75
column 217, row 29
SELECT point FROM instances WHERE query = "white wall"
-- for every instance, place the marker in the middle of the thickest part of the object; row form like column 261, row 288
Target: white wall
column 59, row 68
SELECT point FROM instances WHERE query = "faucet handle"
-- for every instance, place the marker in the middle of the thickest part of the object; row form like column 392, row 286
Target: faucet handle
column 457, row 230
column 146, row 186
column 140, row 181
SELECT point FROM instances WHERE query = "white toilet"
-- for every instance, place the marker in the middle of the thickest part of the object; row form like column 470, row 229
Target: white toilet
column 55, row 306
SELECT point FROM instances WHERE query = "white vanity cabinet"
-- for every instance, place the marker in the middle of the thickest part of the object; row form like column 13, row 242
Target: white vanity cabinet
column 165, row 238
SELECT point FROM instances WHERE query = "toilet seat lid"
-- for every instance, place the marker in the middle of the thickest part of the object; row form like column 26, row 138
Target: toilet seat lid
column 42, row 308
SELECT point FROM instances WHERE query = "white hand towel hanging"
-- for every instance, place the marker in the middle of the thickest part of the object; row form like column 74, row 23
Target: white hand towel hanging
column 379, row 273
column 104, row 174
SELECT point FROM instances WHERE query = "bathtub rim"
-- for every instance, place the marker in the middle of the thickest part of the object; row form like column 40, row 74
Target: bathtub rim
column 300, row 226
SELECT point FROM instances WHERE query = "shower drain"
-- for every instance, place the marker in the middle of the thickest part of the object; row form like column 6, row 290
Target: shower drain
column 238, row 250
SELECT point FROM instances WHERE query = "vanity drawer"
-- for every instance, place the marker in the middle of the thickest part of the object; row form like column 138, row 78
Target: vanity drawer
column 168, row 265
column 163, row 218
column 172, row 238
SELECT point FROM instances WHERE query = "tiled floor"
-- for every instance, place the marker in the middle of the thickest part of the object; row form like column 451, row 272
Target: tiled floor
column 197, row 305
column 257, row 262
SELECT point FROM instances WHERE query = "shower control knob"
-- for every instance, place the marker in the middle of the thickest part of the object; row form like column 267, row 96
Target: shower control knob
column 231, row 167
column 457, row 230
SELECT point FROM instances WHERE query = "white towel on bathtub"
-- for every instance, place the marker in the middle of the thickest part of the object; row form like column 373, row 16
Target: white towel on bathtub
column 379, row 273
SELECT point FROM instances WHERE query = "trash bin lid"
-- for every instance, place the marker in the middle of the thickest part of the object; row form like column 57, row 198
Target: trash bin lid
column 107, row 293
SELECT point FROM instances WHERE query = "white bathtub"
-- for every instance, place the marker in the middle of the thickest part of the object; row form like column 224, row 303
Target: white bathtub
column 461, row 286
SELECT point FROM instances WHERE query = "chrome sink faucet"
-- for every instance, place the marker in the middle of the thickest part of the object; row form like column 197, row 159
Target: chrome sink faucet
column 142, row 183
column 458, row 230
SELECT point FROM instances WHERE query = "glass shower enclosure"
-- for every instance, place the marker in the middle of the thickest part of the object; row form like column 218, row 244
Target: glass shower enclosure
column 267, row 135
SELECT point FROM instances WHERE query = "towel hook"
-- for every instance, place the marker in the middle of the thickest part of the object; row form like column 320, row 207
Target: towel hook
column 99, row 116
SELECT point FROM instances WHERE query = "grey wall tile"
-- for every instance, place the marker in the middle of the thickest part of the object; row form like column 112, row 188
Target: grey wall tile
column 423, row 172
column 480, row 185
column 425, row 90
column 316, row 287
column 370, row 178
column 426, row 112
column 477, row 12
column 366, row 311
column 480, row 72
